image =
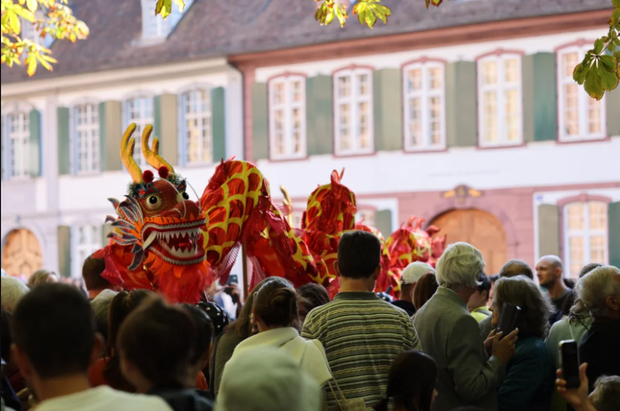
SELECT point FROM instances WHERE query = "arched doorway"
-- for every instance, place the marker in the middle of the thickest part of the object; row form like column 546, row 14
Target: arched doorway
column 479, row 228
column 22, row 253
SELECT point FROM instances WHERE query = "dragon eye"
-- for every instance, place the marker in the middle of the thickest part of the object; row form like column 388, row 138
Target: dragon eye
column 182, row 196
column 186, row 196
column 153, row 202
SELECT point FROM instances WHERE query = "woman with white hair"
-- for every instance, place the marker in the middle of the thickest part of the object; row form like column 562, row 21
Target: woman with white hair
column 450, row 335
column 599, row 292
column 13, row 289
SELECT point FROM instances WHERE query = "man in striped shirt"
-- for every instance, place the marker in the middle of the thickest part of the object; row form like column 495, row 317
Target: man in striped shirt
column 361, row 334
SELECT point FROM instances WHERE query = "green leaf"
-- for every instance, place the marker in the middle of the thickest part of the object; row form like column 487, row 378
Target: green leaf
column 609, row 63
column 180, row 4
column 611, row 46
column 609, row 80
column 163, row 8
column 598, row 46
column 615, row 3
column 43, row 62
column 32, row 5
column 31, row 61
column 580, row 72
column 593, row 84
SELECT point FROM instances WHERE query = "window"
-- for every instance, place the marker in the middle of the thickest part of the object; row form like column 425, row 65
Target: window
column 424, row 106
column 581, row 117
column 585, row 228
column 29, row 31
column 353, row 110
column 154, row 28
column 88, row 239
column 86, row 138
column 367, row 216
column 196, row 127
column 499, row 96
column 287, row 117
column 140, row 111
column 16, row 129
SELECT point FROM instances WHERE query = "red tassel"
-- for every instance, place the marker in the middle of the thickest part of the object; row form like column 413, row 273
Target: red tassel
column 163, row 172
column 148, row 176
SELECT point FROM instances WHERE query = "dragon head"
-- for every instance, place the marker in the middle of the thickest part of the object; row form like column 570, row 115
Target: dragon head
column 159, row 226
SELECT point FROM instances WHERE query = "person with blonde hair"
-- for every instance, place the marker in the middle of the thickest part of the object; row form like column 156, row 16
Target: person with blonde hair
column 13, row 289
column 451, row 336
column 42, row 276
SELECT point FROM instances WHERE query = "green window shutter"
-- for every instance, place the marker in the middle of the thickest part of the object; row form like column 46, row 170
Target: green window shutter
column 110, row 133
column 64, row 151
column 35, row 143
column 105, row 230
column 319, row 115
column 383, row 222
column 388, row 109
column 260, row 121
column 64, row 250
column 548, row 230
column 461, row 104
column 614, row 234
column 539, row 97
column 218, row 126
column 613, row 112
column 166, row 126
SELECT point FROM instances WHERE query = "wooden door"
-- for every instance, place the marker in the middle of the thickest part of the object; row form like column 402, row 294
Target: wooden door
column 480, row 229
column 22, row 253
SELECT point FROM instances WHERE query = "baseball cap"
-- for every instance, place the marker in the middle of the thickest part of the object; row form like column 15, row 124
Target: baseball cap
column 414, row 271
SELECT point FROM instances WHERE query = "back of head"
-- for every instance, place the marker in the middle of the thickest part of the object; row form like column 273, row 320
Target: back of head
column 405, row 385
column 91, row 273
column 414, row 271
column 243, row 325
column 606, row 395
column 7, row 334
column 513, row 268
column 204, row 331
column 459, row 266
column 424, row 290
column 13, row 290
column 275, row 303
column 55, row 328
column 314, row 293
column 359, row 254
column 101, row 305
column 159, row 340
column 578, row 311
column 484, row 283
column 269, row 380
column 536, row 306
column 594, row 288
column 588, row 268
column 42, row 276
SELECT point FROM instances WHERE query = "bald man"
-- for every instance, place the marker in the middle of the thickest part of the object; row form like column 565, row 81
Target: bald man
column 550, row 276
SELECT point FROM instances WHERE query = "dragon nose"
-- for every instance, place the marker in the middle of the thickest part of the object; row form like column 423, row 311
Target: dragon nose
column 187, row 209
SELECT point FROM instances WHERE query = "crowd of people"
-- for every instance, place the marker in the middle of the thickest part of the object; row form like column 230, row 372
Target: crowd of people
column 437, row 348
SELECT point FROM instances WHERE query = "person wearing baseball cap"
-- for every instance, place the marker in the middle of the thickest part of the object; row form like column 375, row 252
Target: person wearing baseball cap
column 408, row 279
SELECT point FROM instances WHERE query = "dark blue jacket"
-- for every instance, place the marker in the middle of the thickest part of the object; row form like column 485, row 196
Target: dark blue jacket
column 529, row 378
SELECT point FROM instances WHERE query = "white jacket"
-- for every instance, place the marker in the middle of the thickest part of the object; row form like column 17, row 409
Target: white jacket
column 310, row 354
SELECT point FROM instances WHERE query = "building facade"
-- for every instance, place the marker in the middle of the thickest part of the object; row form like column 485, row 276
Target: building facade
column 473, row 124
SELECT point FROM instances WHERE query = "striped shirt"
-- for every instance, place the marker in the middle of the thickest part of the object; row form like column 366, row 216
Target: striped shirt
column 361, row 335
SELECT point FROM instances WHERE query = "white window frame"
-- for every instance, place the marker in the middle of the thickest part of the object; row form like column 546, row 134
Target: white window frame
column 287, row 106
column 183, row 116
column 499, row 88
column 88, row 248
column 354, row 99
column 75, row 149
column 586, row 233
column 163, row 28
column 7, row 169
column 583, row 99
column 425, row 94
column 143, row 122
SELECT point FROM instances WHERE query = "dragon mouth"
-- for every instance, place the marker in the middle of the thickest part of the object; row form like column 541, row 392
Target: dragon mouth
column 178, row 244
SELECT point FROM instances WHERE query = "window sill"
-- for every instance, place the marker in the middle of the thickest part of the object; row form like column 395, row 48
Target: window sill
column 500, row 146
column 288, row 159
column 596, row 139
column 423, row 150
column 358, row 154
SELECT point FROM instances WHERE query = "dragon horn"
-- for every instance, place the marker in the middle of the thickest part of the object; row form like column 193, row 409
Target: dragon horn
column 152, row 155
column 287, row 203
column 127, row 146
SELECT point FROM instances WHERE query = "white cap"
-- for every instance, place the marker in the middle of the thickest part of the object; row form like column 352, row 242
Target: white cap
column 415, row 271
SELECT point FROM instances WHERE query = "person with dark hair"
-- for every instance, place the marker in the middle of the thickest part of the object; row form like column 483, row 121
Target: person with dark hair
column 478, row 301
column 107, row 370
column 91, row 274
column 408, row 283
column 55, row 340
column 550, row 271
column 359, row 331
column 156, row 345
column 42, row 276
column 235, row 332
column 8, row 366
column 202, row 350
column 310, row 296
column 275, row 312
column 424, row 290
column 408, row 388
column 101, row 305
column 529, row 374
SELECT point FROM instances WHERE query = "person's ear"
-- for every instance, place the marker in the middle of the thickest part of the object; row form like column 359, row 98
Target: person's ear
column 23, row 362
column 377, row 272
column 337, row 269
column 612, row 303
column 98, row 346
